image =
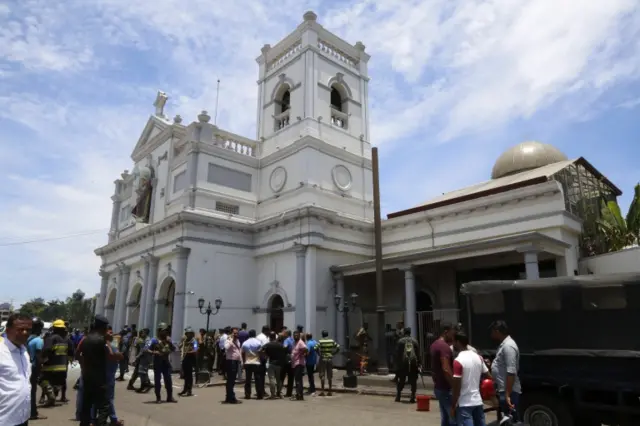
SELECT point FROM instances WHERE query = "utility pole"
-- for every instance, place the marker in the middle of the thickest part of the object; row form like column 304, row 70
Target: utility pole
column 380, row 308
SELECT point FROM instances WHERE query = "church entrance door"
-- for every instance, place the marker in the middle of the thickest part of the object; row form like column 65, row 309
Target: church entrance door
column 276, row 313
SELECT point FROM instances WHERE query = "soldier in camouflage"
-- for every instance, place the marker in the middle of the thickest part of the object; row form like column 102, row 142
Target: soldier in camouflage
column 142, row 361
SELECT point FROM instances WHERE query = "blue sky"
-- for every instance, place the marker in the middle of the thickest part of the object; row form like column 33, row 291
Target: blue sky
column 454, row 83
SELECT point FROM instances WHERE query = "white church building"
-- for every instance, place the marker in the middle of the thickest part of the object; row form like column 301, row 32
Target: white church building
column 275, row 226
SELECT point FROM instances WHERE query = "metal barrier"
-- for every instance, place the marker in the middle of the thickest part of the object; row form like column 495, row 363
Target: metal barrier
column 429, row 323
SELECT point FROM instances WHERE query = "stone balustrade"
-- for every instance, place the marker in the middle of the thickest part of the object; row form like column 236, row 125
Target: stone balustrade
column 235, row 143
column 282, row 120
column 285, row 56
column 339, row 118
column 337, row 53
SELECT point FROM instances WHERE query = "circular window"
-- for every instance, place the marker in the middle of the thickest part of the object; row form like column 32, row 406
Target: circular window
column 341, row 177
column 278, row 179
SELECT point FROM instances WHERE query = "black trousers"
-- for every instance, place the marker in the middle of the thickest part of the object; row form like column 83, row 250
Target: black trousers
column 94, row 395
column 299, row 375
column 287, row 372
column 188, row 365
column 254, row 372
column 231, row 368
column 312, row 380
column 35, row 374
column 405, row 375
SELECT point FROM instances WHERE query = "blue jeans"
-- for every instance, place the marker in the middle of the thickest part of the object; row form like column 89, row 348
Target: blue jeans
column 444, row 398
column 470, row 416
column 515, row 400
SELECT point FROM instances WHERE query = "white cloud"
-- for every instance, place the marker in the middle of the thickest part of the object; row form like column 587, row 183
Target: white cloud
column 502, row 59
column 79, row 79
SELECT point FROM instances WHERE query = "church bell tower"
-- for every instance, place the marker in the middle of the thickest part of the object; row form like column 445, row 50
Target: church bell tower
column 313, row 83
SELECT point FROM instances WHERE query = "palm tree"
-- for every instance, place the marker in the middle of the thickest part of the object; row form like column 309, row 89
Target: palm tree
column 618, row 231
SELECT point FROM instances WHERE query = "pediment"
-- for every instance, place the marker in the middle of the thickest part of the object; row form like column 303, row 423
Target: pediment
column 153, row 127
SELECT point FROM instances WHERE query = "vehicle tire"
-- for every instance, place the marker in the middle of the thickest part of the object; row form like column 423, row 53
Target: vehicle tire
column 545, row 409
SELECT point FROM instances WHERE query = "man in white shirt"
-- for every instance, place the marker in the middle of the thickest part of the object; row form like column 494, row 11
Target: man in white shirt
column 264, row 335
column 15, row 370
column 468, row 369
column 222, row 357
column 251, row 360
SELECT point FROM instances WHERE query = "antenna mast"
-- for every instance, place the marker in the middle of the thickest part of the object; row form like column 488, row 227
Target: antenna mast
column 215, row 116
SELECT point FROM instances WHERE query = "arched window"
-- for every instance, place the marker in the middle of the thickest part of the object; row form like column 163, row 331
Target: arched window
column 285, row 102
column 282, row 110
column 339, row 113
column 336, row 99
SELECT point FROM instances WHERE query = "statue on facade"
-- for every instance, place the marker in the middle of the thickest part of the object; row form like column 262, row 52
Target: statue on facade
column 144, row 189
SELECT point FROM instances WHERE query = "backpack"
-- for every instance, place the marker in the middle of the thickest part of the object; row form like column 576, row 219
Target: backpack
column 409, row 355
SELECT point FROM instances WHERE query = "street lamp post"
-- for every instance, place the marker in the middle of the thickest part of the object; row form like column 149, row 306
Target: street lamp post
column 350, row 378
column 204, row 376
column 209, row 311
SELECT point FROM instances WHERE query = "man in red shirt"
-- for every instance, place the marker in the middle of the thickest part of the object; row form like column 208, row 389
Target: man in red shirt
column 442, row 373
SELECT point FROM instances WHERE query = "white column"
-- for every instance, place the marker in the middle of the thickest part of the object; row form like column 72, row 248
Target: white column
column 410, row 299
column 150, row 285
column 102, row 298
column 115, row 211
column 177, row 322
column 123, row 291
column 310, row 291
column 300, row 315
column 192, row 167
column 152, row 209
column 143, row 296
column 118, row 302
column 531, row 265
column 340, row 325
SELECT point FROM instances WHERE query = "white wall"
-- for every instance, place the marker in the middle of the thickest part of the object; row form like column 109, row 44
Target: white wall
column 225, row 272
column 538, row 208
column 627, row 260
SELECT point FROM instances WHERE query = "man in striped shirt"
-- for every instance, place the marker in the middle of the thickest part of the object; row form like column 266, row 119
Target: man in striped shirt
column 328, row 348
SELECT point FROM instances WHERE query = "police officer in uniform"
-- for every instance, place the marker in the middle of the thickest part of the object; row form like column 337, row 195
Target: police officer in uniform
column 54, row 369
column 145, row 358
column 189, row 349
column 161, row 348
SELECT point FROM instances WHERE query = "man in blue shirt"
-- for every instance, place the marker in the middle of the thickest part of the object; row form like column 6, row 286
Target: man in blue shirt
column 251, row 357
column 35, row 344
column 312, row 360
column 243, row 335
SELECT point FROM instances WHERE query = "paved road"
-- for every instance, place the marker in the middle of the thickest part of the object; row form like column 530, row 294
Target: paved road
column 205, row 408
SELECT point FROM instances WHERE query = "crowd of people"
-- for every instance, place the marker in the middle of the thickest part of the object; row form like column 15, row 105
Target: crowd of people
column 458, row 371
column 282, row 357
column 32, row 358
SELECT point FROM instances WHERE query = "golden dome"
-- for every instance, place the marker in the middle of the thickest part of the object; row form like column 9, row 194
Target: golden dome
column 526, row 156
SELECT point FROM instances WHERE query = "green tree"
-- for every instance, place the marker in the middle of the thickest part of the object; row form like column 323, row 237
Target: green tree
column 33, row 307
column 55, row 309
column 633, row 216
column 79, row 309
column 620, row 232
